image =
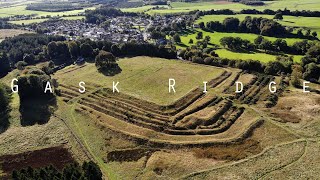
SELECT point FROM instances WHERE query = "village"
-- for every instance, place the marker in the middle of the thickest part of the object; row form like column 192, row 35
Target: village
column 116, row 30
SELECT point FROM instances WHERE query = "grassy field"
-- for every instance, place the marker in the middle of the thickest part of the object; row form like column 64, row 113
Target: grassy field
column 291, row 21
column 178, row 7
column 215, row 39
column 21, row 10
column 30, row 21
column 143, row 84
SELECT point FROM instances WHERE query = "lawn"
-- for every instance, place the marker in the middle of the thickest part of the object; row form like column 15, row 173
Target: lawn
column 146, row 77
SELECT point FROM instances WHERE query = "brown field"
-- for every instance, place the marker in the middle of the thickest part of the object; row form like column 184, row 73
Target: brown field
column 5, row 33
column 56, row 156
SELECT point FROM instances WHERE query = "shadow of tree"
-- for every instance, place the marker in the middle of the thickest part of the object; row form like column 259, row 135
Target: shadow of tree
column 4, row 121
column 112, row 71
column 36, row 111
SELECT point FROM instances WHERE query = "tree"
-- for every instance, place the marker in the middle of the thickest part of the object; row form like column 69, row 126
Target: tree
column 201, row 25
column 296, row 76
column 199, row 35
column 278, row 16
column 314, row 51
column 314, row 34
column 86, row 50
column 29, row 58
column 299, row 33
column 5, row 99
column 207, row 38
column 176, row 38
column 274, row 68
column 266, row 45
column 231, row 24
column 280, row 45
column 4, row 63
column 20, row 65
column 308, row 32
column 191, row 41
column 105, row 60
column 312, row 72
column 258, row 40
column 73, row 49
column 208, row 60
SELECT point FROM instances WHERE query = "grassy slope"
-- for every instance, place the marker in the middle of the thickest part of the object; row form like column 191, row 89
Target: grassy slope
column 138, row 77
column 11, row 32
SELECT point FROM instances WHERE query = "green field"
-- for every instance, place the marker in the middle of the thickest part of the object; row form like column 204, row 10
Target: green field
column 138, row 77
column 215, row 39
column 30, row 21
column 21, row 10
column 178, row 7
column 311, row 23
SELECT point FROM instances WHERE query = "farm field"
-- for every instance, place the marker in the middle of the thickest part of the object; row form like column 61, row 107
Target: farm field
column 21, row 10
column 12, row 32
column 290, row 21
column 179, row 7
column 30, row 21
column 215, row 39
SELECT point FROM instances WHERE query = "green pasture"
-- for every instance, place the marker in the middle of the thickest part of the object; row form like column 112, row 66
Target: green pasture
column 215, row 39
column 145, row 77
column 311, row 23
column 21, row 10
column 178, row 7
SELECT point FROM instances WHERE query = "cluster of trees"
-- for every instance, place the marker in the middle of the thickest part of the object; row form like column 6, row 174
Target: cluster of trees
column 66, row 52
column 5, row 99
column 5, row 25
column 254, row 25
column 252, row 3
column 236, row 43
column 28, row 47
column 310, row 64
column 88, row 171
column 102, row 14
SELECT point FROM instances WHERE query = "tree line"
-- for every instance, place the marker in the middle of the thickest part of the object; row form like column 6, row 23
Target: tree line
column 263, row 26
column 26, row 47
column 86, row 171
column 30, row 49
column 279, row 46
column 304, row 13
